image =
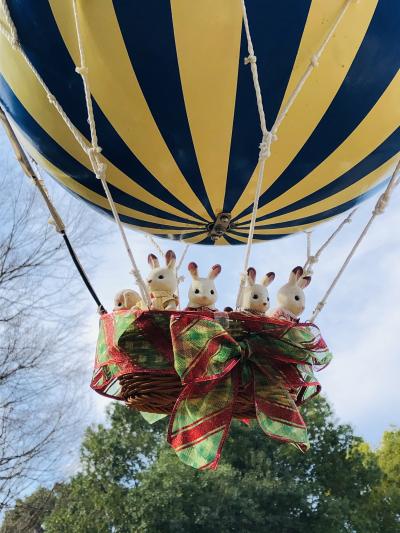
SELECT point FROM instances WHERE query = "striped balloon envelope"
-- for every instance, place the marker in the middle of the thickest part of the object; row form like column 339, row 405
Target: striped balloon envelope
column 176, row 113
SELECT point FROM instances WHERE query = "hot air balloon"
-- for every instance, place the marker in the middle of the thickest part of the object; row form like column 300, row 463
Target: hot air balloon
column 168, row 117
column 176, row 115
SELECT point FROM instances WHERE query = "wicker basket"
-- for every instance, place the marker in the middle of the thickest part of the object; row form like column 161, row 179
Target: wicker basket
column 158, row 394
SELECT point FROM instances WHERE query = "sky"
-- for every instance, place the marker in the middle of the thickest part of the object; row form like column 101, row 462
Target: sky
column 359, row 322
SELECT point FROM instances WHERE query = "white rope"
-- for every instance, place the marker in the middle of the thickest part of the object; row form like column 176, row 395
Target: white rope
column 313, row 259
column 180, row 279
column 264, row 151
column 91, row 150
column 99, row 167
column 155, row 244
column 309, row 237
column 269, row 136
column 379, row 209
column 187, row 246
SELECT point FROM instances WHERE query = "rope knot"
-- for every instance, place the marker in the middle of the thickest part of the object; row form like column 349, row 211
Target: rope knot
column 94, row 150
column 265, row 145
column 51, row 99
column 251, row 58
column 13, row 40
column 100, row 170
column 52, row 222
column 314, row 60
column 313, row 259
column 381, row 204
column 81, row 70
column 180, row 279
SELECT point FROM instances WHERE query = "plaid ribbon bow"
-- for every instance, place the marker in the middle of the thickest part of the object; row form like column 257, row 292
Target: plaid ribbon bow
column 267, row 362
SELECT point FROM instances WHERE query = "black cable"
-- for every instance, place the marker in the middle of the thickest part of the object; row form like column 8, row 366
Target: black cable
column 82, row 273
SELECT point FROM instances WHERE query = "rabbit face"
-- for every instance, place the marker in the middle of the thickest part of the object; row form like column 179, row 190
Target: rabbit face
column 162, row 278
column 291, row 296
column 202, row 292
column 125, row 299
column 255, row 295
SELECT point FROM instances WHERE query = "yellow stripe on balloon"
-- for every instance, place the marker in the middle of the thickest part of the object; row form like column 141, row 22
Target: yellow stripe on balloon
column 196, row 239
column 366, row 137
column 221, row 242
column 207, row 37
column 346, row 195
column 116, row 90
column 320, row 88
column 31, row 95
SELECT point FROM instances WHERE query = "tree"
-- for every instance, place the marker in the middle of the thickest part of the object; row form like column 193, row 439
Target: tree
column 385, row 501
column 131, row 481
column 40, row 374
column 28, row 515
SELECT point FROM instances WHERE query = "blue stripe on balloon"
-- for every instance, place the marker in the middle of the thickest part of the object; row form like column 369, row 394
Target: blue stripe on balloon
column 150, row 43
column 375, row 159
column 280, row 26
column 380, row 51
column 56, row 155
column 42, row 42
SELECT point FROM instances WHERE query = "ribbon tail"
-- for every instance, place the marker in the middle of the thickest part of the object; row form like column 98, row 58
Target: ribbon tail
column 200, row 421
column 276, row 411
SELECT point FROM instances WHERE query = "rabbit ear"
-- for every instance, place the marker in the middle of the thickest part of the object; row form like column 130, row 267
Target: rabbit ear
column 193, row 269
column 295, row 275
column 170, row 259
column 251, row 276
column 215, row 270
column 153, row 261
column 268, row 278
column 304, row 282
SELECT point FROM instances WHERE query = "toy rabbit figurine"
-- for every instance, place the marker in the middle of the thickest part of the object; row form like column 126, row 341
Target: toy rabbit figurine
column 291, row 297
column 202, row 293
column 162, row 282
column 126, row 299
column 255, row 295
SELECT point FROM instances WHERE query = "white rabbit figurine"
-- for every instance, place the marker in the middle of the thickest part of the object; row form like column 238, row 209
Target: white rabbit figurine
column 162, row 282
column 255, row 295
column 291, row 297
column 203, row 293
column 126, row 299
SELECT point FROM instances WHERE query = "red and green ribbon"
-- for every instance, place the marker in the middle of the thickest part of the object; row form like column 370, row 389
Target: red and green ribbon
column 271, row 361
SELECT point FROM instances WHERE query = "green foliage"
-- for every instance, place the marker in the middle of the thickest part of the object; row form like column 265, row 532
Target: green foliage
column 132, row 482
column 29, row 514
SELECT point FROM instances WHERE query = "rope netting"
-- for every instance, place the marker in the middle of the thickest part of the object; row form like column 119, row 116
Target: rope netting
column 272, row 135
